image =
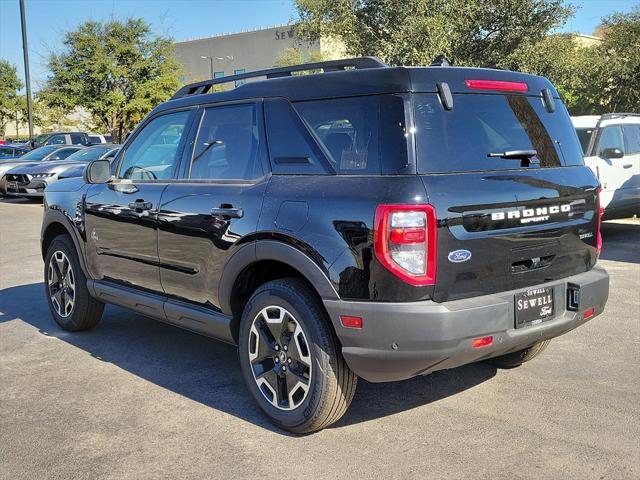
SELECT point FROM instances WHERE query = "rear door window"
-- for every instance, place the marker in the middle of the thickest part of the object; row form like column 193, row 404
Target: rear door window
column 631, row 139
column 468, row 137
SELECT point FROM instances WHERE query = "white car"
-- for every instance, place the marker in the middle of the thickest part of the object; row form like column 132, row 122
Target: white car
column 611, row 145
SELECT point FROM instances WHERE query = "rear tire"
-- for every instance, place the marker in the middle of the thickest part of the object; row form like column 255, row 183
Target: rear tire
column 71, row 305
column 515, row 359
column 286, row 339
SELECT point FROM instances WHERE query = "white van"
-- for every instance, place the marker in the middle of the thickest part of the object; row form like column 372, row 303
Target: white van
column 611, row 146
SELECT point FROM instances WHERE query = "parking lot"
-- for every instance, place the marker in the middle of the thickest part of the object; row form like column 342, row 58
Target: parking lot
column 140, row 399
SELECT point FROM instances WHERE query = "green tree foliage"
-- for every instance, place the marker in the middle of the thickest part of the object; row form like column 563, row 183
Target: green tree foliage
column 617, row 79
column 294, row 56
column 9, row 101
column 116, row 70
column 472, row 33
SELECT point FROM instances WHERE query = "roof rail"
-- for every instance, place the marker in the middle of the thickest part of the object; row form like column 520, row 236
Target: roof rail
column 199, row 88
column 608, row 116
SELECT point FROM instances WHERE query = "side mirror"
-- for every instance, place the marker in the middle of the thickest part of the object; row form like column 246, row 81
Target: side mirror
column 610, row 153
column 98, row 171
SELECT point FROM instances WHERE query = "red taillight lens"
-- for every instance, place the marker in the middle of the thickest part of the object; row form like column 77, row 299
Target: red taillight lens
column 589, row 313
column 482, row 342
column 497, row 85
column 405, row 241
column 351, row 322
column 599, row 223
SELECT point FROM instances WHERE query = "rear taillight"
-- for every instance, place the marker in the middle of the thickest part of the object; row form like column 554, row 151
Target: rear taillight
column 600, row 213
column 405, row 241
column 497, row 85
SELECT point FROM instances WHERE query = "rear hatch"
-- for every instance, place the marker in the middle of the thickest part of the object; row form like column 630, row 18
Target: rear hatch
column 503, row 168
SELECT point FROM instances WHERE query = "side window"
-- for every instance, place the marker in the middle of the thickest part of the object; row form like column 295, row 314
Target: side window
column 154, row 154
column 361, row 135
column 77, row 139
column 57, row 140
column 631, row 139
column 292, row 148
column 228, row 144
column 611, row 137
column 64, row 153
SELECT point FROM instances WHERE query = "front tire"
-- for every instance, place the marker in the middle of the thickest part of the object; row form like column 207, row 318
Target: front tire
column 71, row 305
column 291, row 360
column 515, row 359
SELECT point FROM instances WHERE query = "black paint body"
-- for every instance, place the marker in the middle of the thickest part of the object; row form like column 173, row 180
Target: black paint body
column 161, row 238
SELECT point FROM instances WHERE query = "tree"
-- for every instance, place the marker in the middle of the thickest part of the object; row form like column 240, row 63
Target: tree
column 9, row 86
column 116, row 70
column 617, row 81
column 294, row 56
column 467, row 32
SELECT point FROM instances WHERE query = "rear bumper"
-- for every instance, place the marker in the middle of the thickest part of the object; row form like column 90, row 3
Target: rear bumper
column 402, row 340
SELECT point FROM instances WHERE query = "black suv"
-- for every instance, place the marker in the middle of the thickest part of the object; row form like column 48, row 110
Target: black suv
column 372, row 221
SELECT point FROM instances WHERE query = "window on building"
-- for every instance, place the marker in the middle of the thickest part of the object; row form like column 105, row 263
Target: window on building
column 238, row 72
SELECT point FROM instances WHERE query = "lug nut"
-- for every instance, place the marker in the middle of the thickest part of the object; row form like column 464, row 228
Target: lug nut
column 277, row 347
column 284, row 368
column 285, row 348
column 288, row 360
column 277, row 360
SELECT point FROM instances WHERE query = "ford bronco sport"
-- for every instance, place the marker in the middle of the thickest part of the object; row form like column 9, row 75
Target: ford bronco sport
column 365, row 221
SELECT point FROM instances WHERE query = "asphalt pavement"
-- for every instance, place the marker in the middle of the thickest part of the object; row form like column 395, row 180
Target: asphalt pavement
column 135, row 398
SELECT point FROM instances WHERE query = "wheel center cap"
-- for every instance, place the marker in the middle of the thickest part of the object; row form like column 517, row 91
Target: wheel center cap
column 283, row 357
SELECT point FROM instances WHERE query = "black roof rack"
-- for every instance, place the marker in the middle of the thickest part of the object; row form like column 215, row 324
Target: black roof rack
column 608, row 116
column 279, row 72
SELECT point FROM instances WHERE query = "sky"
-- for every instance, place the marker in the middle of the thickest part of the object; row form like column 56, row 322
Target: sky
column 48, row 20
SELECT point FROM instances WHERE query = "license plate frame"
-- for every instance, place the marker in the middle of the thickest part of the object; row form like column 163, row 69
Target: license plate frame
column 534, row 306
column 12, row 185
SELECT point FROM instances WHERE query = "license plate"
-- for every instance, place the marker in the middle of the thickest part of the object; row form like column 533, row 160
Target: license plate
column 534, row 306
column 12, row 185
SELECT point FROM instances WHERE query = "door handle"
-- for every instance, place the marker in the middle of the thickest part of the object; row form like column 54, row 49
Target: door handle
column 140, row 205
column 227, row 211
column 628, row 165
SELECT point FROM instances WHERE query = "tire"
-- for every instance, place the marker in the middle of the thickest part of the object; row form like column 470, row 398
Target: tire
column 515, row 359
column 84, row 312
column 330, row 384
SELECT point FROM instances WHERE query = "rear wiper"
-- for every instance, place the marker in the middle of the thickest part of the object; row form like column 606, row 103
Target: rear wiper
column 526, row 157
column 514, row 154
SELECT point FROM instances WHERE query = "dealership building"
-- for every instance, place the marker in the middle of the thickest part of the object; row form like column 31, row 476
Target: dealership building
column 228, row 54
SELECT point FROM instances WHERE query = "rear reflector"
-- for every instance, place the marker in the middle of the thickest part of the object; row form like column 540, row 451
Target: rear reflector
column 589, row 313
column 497, row 85
column 482, row 342
column 351, row 322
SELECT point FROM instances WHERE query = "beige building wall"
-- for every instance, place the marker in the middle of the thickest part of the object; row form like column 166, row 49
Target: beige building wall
column 248, row 51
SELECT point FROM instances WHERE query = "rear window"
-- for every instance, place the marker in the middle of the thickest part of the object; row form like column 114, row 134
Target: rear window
column 480, row 127
column 584, row 135
column 360, row 135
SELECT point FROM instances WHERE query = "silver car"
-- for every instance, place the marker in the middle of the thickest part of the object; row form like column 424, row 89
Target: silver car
column 30, row 179
column 49, row 153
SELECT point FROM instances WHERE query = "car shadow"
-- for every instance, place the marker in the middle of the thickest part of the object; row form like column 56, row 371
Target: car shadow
column 620, row 242
column 207, row 371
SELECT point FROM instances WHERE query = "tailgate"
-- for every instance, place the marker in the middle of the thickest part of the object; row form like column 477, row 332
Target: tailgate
column 520, row 228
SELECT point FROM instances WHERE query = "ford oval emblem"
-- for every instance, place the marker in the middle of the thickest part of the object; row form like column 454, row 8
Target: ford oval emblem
column 459, row 256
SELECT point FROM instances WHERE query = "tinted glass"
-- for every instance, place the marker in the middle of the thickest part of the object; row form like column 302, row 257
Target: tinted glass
column 611, row 137
column 292, row 149
column 481, row 125
column 38, row 153
column 94, row 139
column 631, row 139
column 6, row 152
column 57, row 140
column 89, row 154
column 227, row 147
column 63, row 153
column 154, row 153
column 584, row 135
column 360, row 135
column 77, row 139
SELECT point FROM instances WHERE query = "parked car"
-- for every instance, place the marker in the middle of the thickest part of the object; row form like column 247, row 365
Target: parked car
column 78, row 169
column 31, row 179
column 42, row 154
column 61, row 138
column 11, row 152
column 611, row 145
column 369, row 221
column 96, row 138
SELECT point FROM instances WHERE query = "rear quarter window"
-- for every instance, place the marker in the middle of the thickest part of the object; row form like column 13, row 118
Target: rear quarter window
column 481, row 124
